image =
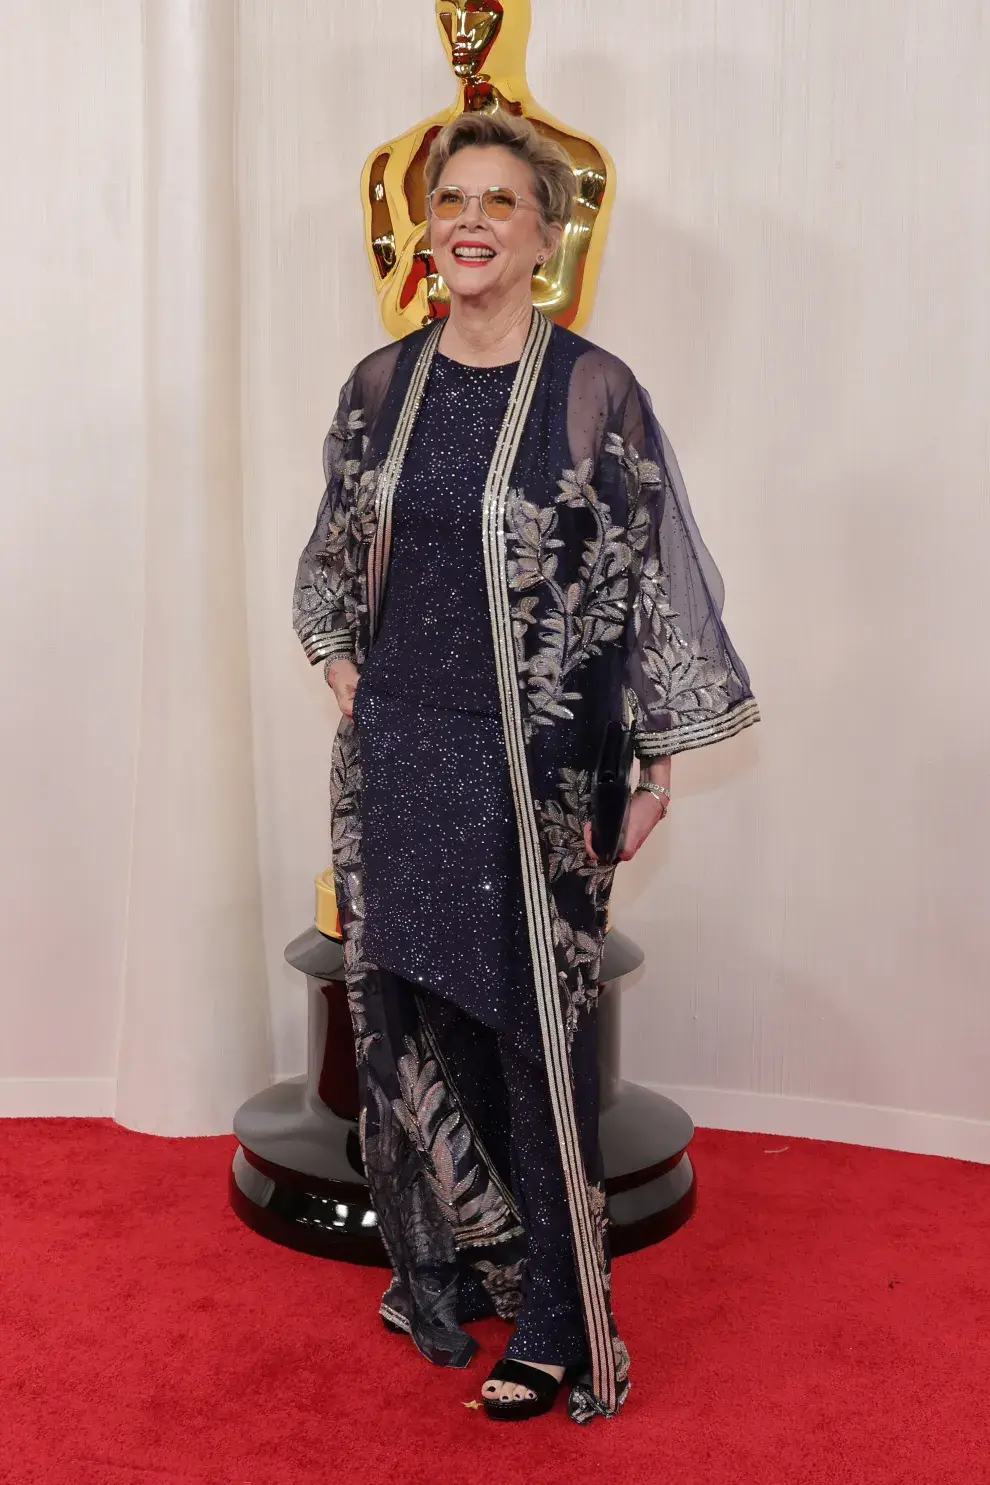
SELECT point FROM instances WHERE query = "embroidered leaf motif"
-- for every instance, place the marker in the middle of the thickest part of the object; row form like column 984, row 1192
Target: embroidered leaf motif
column 677, row 683
column 503, row 1282
column 331, row 595
column 345, row 839
column 579, row 957
column 562, row 825
column 578, row 620
column 466, row 1196
column 596, row 1205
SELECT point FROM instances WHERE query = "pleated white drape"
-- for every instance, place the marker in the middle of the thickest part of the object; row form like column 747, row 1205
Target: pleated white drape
column 194, row 1029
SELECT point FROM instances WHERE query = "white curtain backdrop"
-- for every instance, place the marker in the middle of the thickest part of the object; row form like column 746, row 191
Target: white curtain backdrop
column 194, row 1035
column 796, row 268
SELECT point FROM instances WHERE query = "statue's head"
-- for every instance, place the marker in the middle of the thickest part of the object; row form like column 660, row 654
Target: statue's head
column 469, row 28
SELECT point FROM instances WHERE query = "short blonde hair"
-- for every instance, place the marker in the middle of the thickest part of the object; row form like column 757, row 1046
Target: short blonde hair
column 549, row 162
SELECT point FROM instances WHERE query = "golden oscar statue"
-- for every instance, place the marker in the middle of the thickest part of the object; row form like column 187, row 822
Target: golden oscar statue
column 486, row 42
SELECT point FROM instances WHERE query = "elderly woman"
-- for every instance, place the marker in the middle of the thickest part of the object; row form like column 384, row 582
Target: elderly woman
column 503, row 562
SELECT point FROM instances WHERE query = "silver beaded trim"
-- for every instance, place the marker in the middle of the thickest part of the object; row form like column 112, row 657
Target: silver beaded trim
column 650, row 745
column 591, row 1279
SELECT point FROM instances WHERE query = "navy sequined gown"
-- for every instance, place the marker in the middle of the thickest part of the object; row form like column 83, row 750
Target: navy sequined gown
column 443, row 893
column 443, row 901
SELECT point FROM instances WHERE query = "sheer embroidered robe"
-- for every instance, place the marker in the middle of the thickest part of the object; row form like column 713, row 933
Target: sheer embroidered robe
column 603, row 601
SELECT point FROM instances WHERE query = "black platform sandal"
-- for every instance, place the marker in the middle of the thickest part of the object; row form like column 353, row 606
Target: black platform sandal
column 514, row 1410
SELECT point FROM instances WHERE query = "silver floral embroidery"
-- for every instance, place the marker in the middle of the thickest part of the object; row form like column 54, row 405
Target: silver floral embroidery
column 345, row 840
column 621, row 1355
column 577, row 620
column 599, row 1218
column 562, row 825
column 678, row 681
column 331, row 597
column 350, row 531
column 503, row 1281
column 579, row 958
column 436, row 1129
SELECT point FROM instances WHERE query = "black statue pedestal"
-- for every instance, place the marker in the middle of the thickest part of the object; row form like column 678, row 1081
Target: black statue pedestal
column 297, row 1176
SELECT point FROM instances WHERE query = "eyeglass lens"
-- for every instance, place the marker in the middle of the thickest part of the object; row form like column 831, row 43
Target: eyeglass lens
column 497, row 202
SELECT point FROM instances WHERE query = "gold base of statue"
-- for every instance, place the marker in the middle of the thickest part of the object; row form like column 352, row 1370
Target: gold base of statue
column 327, row 916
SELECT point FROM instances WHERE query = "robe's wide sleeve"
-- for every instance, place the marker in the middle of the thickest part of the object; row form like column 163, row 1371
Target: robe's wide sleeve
column 322, row 600
column 682, row 676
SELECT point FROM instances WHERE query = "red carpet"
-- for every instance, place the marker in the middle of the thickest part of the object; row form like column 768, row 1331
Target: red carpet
column 823, row 1318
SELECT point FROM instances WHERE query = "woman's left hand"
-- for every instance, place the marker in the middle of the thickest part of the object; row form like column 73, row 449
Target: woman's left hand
column 645, row 811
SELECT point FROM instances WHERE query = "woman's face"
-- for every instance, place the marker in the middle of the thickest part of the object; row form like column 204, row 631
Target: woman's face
column 504, row 268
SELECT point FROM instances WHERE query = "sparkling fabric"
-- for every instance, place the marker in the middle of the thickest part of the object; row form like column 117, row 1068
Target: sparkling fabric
column 443, row 903
column 443, row 896
column 423, row 1047
column 508, row 1099
column 434, row 645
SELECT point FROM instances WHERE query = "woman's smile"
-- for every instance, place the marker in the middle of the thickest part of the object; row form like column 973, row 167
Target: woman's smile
column 475, row 254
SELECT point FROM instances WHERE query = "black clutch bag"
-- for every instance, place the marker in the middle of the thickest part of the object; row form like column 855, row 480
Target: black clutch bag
column 610, row 792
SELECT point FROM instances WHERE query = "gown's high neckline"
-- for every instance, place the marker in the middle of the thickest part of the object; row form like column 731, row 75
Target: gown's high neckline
column 468, row 367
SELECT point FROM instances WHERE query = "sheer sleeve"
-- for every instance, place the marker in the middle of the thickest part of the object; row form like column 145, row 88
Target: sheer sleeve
column 319, row 604
column 329, row 589
column 684, row 681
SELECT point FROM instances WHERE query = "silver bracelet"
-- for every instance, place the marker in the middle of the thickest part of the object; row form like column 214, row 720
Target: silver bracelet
column 647, row 786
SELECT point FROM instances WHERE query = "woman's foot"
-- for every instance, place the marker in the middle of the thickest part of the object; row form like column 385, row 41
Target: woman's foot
column 496, row 1391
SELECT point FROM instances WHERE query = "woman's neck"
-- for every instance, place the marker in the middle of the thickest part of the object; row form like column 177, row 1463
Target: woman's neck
column 481, row 335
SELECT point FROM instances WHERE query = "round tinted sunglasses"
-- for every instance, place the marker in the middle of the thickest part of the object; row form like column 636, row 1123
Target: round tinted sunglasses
column 497, row 202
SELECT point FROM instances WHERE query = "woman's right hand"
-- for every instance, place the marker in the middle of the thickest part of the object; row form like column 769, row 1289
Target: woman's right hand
column 343, row 676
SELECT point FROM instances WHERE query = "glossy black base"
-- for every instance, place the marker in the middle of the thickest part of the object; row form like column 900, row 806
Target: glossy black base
column 650, row 1186
column 297, row 1177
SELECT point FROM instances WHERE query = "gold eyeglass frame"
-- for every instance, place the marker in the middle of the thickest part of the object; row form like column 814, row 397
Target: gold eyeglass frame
column 479, row 196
